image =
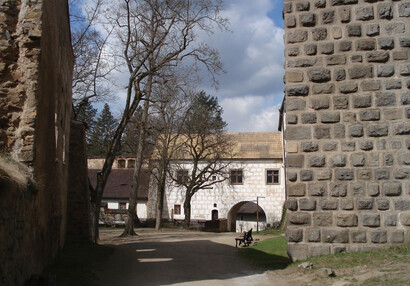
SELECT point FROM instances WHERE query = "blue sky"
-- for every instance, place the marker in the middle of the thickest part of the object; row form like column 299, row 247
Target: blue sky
column 252, row 89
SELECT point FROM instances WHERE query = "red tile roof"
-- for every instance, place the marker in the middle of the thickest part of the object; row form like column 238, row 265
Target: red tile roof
column 119, row 183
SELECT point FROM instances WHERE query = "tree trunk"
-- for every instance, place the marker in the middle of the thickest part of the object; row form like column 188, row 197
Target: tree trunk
column 187, row 211
column 160, row 198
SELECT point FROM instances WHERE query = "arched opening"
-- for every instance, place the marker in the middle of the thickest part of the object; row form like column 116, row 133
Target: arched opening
column 214, row 214
column 246, row 215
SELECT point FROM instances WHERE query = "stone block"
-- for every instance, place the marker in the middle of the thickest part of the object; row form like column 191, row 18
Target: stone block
column 372, row 30
column 320, row 3
column 294, row 235
column 354, row 30
column 348, row 146
column 296, row 76
column 370, row 115
column 313, row 235
column 382, row 174
column 319, row 34
column 322, row 132
column 390, row 219
column 322, row 219
column 329, row 146
column 341, row 102
column 385, row 98
column 307, row 205
column 295, row 161
column 308, row 118
column 373, row 160
column 395, row 144
column 385, row 70
column 378, row 236
column 371, row 219
column 347, row 204
column 327, row 16
column 405, row 98
column 366, row 45
column 300, row 218
column 302, row 6
column 404, row 158
column 397, row 236
column 335, row 236
column 306, row 175
column 309, row 147
column 359, row 236
column 287, row 8
column 291, row 147
column 358, row 72
column 364, row 174
column 324, row 175
column 401, row 204
column 391, row 189
column 336, row 33
column 388, row 159
column 357, row 189
column 290, row 21
column 319, row 75
column 327, row 88
column 404, row 9
column 339, row 131
column 338, row 161
column 370, row 85
column 327, row 49
column 356, row 58
column 329, row 204
column 291, row 118
column 316, row 161
column 383, row 204
column 405, row 69
column 404, row 42
column 349, row 117
column 344, row 174
column 291, row 204
column 345, row 46
column 292, row 176
column 358, row 159
column 317, row 189
column 366, row 145
column 316, row 250
column 297, row 90
column 339, row 74
column 386, row 43
column 356, row 130
column 338, row 190
column 364, row 13
column 393, row 28
column 377, row 130
column 293, row 104
column 298, row 132
column 292, row 51
column 296, row 190
column 377, row 57
column 348, row 87
column 346, row 220
column 404, row 218
column 373, row 189
column 393, row 114
column 298, row 251
column 307, row 20
column 400, row 55
column 330, row 117
column 401, row 174
column 335, row 60
column 310, row 49
column 385, row 11
column 297, row 36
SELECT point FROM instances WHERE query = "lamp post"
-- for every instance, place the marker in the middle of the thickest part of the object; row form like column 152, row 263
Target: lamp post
column 257, row 212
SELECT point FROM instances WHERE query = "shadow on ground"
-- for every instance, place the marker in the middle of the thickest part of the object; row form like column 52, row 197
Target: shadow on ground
column 154, row 263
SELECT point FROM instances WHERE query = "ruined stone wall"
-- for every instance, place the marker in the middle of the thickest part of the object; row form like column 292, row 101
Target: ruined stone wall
column 347, row 124
column 35, row 105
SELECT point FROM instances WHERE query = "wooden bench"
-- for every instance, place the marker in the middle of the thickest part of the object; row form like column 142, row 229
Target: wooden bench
column 246, row 239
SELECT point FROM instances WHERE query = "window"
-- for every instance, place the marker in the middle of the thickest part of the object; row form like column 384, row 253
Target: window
column 236, row 177
column 213, row 178
column 272, row 177
column 177, row 209
column 121, row 163
column 122, row 206
column 182, row 176
column 131, row 164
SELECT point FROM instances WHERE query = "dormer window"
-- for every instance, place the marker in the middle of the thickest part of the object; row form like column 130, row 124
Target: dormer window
column 121, row 163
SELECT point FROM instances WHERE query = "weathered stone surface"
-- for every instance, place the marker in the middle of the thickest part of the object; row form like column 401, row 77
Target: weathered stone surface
column 359, row 236
column 317, row 189
column 370, row 85
column 401, row 174
column 404, row 42
column 316, row 161
column 386, row 43
column 335, row 236
column 385, row 99
column 364, row 13
column 385, row 11
column 320, row 102
column 347, row 204
column 297, row 36
column 303, row 6
column 358, row 72
column 370, row 115
column 385, row 70
column 307, row 205
column 356, row 58
column 388, row 159
column 354, row 30
column 371, row 219
column 319, row 75
column 366, row 45
column 404, row 218
column 378, row 236
column 390, row 219
column 363, row 174
column 294, row 235
column 345, row 46
column 405, row 98
column 348, row 87
column 377, row 130
column 402, row 204
column 358, row 160
column 307, row 19
column 395, row 28
column 319, row 34
column 373, row 190
column 330, row 117
column 372, row 30
column 310, row 49
column 338, row 160
column 295, row 76
column 323, row 88
column 357, row 189
column 329, row 146
column 323, row 175
column 296, row 190
column 291, row 204
column 344, row 174
column 309, row 147
column 327, row 16
column 338, row 190
column 339, row 74
column 292, row 176
column 297, row 90
column 313, row 235
column 298, row 251
column 306, row 175
column 298, row 132
column 290, row 21
column 300, row 218
column 356, row 130
column 322, row 219
column 292, row 119
column 383, row 204
column 341, row 102
column 348, row 146
column 322, row 132
column 397, row 237
column 327, row 49
column 329, row 204
column 377, row 57
column 292, row 51
column 346, row 220
column 404, row 9
column 295, row 161
column 382, row 174
column 366, row 145
column 293, row 104
column 344, row 14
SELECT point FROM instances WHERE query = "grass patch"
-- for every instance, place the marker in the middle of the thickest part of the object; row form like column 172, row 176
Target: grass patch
column 369, row 258
column 270, row 232
column 75, row 263
column 270, row 253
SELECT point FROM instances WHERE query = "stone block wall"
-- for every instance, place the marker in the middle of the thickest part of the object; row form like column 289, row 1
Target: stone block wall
column 347, row 124
column 36, row 63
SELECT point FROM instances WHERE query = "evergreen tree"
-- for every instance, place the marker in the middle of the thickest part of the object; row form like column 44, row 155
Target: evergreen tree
column 102, row 134
column 86, row 113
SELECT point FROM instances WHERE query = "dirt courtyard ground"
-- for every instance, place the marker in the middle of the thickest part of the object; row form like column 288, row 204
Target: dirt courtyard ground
column 180, row 257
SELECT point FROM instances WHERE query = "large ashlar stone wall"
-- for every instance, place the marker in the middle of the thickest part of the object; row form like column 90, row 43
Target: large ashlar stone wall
column 347, row 125
column 36, row 62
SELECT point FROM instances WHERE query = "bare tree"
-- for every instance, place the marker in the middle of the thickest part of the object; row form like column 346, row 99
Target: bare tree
column 206, row 153
column 157, row 36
